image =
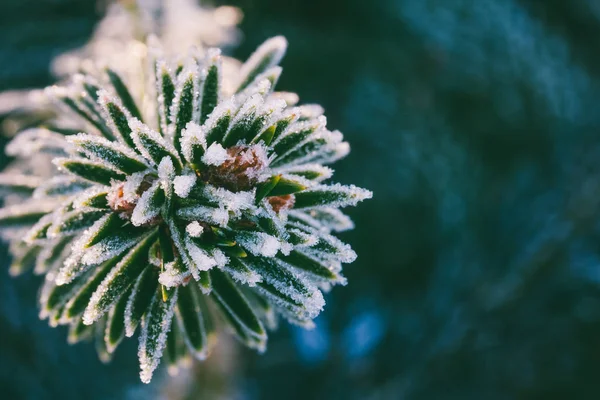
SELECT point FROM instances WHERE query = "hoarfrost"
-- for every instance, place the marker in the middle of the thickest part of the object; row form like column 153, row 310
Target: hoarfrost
column 140, row 129
column 193, row 135
column 189, row 73
column 218, row 216
column 83, row 141
column 82, row 200
column 129, row 190
column 259, row 243
column 320, row 172
column 183, row 184
column 203, row 260
column 145, row 211
column 272, row 51
column 234, row 202
column 194, row 229
column 215, row 155
column 173, row 275
column 104, row 98
column 153, row 337
column 336, row 195
column 332, row 218
column 166, row 173
column 100, row 301
column 226, row 107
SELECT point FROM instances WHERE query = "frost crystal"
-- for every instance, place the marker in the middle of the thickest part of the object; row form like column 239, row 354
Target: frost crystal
column 194, row 229
column 215, row 155
column 210, row 196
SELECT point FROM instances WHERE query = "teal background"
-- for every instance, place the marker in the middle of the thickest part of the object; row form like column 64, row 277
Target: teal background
column 475, row 123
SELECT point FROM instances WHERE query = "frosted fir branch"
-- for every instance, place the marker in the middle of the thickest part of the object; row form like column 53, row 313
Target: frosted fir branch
column 220, row 207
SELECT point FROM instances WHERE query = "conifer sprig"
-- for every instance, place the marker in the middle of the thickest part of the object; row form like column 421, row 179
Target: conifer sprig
column 217, row 207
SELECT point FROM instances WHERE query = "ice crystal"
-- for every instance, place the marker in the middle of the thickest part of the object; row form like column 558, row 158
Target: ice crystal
column 210, row 201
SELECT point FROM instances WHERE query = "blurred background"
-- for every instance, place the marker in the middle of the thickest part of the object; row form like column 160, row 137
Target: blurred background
column 475, row 123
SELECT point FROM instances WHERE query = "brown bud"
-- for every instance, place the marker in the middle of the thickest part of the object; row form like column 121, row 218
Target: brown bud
column 280, row 203
column 241, row 171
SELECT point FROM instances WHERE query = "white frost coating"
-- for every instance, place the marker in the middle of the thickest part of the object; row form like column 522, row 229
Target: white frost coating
column 129, row 190
column 259, row 85
column 94, row 311
column 179, row 242
column 154, row 259
column 309, row 296
column 189, row 73
column 106, row 249
column 130, row 326
column 57, row 219
column 291, row 99
column 256, row 154
column 232, row 202
column 309, row 111
column 299, row 179
column 61, row 185
column 328, row 247
column 59, row 162
column 218, row 216
column 194, row 229
column 81, row 257
column 226, row 107
column 215, row 155
column 273, row 50
column 183, row 184
column 144, row 210
column 203, row 260
column 259, row 89
column 259, row 243
column 286, row 248
column 249, row 277
column 166, row 174
column 104, row 98
column 272, row 108
column 162, row 68
column 83, row 199
column 279, row 219
column 247, row 112
column 333, row 219
column 315, row 125
column 307, row 219
column 140, row 129
column 72, row 266
column 323, row 172
column 76, row 93
column 30, row 236
column 219, row 257
column 332, row 153
column 352, row 195
column 192, row 136
column 82, row 140
column 332, row 150
column 156, row 333
column 306, row 240
column 173, row 275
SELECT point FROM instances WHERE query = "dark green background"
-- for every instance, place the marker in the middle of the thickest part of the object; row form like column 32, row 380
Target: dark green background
column 476, row 125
